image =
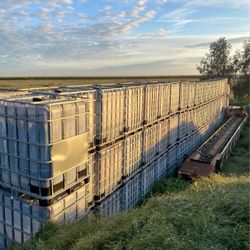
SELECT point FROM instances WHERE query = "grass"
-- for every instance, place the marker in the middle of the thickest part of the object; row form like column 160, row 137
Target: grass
column 212, row 213
column 245, row 100
column 11, row 83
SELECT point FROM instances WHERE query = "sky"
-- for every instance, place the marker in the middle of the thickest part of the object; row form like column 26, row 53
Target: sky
column 115, row 37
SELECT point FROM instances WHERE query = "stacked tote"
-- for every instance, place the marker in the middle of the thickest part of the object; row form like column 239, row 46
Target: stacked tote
column 68, row 151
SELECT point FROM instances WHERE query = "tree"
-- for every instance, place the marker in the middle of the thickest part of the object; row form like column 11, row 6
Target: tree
column 244, row 66
column 218, row 62
column 241, row 82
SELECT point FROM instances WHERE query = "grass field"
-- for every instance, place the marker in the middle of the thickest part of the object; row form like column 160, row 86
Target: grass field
column 212, row 213
column 29, row 82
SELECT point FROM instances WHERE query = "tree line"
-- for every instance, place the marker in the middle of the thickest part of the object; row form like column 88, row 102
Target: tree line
column 220, row 62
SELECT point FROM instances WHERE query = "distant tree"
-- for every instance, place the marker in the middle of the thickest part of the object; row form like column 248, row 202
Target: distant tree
column 218, row 62
column 244, row 65
column 241, row 82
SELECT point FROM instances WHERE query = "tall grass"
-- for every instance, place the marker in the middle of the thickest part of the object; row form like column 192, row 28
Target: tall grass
column 211, row 213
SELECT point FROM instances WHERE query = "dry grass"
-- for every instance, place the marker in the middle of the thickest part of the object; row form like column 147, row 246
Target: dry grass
column 28, row 82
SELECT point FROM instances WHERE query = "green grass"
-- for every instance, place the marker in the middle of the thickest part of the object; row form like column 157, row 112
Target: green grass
column 212, row 213
column 240, row 102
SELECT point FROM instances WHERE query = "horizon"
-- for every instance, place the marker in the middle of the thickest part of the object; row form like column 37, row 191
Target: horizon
column 83, row 38
column 96, row 77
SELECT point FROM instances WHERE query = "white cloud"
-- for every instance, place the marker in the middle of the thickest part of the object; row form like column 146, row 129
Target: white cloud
column 161, row 33
column 161, row 2
column 59, row 39
column 142, row 2
column 137, row 10
column 65, row 1
column 186, row 13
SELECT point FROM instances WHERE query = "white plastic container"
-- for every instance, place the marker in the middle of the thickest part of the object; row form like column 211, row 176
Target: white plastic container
column 163, row 129
column 150, row 140
column 108, row 169
column 22, row 217
column 132, row 154
column 185, row 95
column 175, row 97
column 131, row 192
column 172, row 159
column 181, row 152
column 173, row 129
column 164, row 99
column 47, row 187
column 87, row 93
column 161, row 167
column 134, row 105
column 152, row 109
column 111, row 114
column 199, row 93
column 192, row 92
column 148, row 178
column 112, row 205
column 184, row 125
column 36, row 131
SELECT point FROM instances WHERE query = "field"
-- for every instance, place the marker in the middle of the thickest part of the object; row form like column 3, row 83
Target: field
column 7, row 83
column 212, row 213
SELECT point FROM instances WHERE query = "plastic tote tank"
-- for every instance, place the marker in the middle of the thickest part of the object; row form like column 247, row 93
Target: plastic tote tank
column 134, row 104
column 111, row 205
column 150, row 143
column 152, row 106
column 44, row 145
column 132, row 154
column 199, row 93
column 108, row 169
column 148, row 178
column 185, row 100
column 110, row 113
column 163, row 133
column 164, row 99
column 131, row 192
column 184, row 125
column 175, row 97
column 87, row 93
column 161, row 167
column 173, row 129
column 21, row 217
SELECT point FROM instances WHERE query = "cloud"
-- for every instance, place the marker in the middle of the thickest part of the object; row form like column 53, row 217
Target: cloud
column 142, row 2
column 66, row 1
column 179, row 16
column 161, row 2
column 50, row 37
column 185, row 14
column 207, row 44
column 161, row 33
column 138, row 8
column 59, row 37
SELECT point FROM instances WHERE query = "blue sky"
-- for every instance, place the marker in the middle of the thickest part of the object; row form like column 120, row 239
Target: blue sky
column 110, row 37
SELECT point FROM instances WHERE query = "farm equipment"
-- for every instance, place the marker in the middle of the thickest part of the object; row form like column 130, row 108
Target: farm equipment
column 208, row 157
